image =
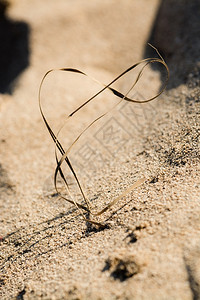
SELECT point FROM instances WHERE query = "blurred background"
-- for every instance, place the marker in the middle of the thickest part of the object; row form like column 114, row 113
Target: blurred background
column 108, row 35
column 103, row 35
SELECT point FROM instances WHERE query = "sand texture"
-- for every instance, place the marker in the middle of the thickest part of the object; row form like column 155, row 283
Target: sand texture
column 150, row 245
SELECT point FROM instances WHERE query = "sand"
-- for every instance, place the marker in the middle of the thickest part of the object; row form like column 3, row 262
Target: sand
column 150, row 246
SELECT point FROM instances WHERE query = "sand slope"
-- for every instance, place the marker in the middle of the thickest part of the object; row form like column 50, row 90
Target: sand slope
column 150, row 248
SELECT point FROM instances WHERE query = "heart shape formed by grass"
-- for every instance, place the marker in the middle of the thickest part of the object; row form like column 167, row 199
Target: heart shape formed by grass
column 87, row 207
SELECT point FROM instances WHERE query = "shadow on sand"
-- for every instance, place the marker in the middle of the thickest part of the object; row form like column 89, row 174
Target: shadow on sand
column 14, row 49
column 176, row 34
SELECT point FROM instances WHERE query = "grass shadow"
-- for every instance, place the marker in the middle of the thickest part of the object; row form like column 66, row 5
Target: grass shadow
column 44, row 238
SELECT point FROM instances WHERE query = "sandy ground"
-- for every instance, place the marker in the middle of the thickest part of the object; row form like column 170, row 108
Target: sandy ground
column 150, row 248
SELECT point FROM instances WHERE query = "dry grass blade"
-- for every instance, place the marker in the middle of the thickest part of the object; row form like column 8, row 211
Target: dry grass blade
column 65, row 153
